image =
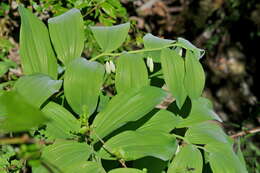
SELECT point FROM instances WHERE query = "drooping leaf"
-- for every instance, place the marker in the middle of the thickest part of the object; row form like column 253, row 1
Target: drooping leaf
column 126, row 107
column 131, row 73
column 62, row 154
column 16, row 114
column 151, row 164
column 132, row 145
column 194, row 79
column 126, row 170
column 206, row 132
column 62, row 123
column 151, row 41
column 36, row 52
column 67, row 35
column 223, row 159
column 188, row 159
column 110, row 38
column 85, row 167
column 174, row 72
column 82, row 84
column 37, row 88
column 163, row 121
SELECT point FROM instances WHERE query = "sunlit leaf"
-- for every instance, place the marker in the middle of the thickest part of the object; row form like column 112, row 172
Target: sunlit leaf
column 37, row 88
column 188, row 159
column 85, row 167
column 174, row 72
column 131, row 73
column 132, row 145
column 110, row 38
column 36, row 51
column 126, row 170
column 67, row 35
column 82, row 85
column 126, row 107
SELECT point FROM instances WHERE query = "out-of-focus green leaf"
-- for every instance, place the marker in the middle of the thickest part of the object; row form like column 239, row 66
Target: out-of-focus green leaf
column 126, row 107
column 36, row 51
column 240, row 153
column 163, row 121
column 37, row 88
column 85, row 167
column 18, row 115
column 82, row 84
column 62, row 123
column 188, row 159
column 132, row 145
column 110, row 38
column 206, row 132
column 131, row 73
column 151, row 41
column 201, row 110
column 223, row 159
column 109, row 9
column 126, row 170
column 174, row 72
column 194, row 80
column 62, row 154
column 67, row 35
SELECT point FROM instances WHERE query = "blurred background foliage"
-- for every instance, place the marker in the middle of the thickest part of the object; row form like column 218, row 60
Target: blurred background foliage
column 229, row 30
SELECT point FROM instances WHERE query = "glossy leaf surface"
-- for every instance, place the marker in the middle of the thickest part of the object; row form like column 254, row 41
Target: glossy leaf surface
column 67, row 35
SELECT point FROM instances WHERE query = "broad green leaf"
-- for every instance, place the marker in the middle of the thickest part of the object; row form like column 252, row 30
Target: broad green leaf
column 126, row 107
column 194, row 79
column 206, row 132
column 126, row 170
column 151, row 164
column 85, row 167
column 132, row 145
column 151, row 42
column 67, row 35
column 62, row 123
column 62, row 154
column 188, row 159
column 110, row 38
column 82, row 84
column 16, row 114
column 131, row 73
column 201, row 110
column 223, row 159
column 36, row 51
column 37, row 88
column 174, row 72
column 163, row 121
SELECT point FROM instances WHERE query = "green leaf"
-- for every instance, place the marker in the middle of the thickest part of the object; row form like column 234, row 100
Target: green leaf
column 188, row 159
column 62, row 154
column 109, row 9
column 201, row 110
column 126, row 170
column 151, row 164
column 240, row 153
column 85, row 167
column 206, row 132
column 174, row 72
column 67, row 35
column 62, row 123
column 223, row 159
column 36, row 51
column 131, row 73
column 132, row 145
column 37, row 88
column 19, row 118
column 163, row 121
column 110, row 38
column 82, row 84
column 194, row 80
column 151, row 42
column 126, row 107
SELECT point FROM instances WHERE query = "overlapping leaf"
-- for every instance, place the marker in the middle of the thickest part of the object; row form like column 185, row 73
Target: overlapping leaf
column 36, row 51
column 85, row 167
column 126, row 107
column 126, row 170
column 82, row 85
column 67, row 35
column 110, row 38
column 131, row 73
column 132, row 145
column 174, row 72
column 37, row 88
